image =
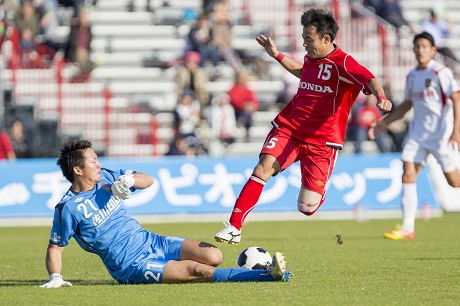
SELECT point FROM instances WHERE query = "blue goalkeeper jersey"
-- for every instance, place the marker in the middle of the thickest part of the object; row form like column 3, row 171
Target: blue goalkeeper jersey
column 101, row 225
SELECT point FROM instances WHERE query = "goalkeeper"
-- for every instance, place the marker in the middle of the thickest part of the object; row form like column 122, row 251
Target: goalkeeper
column 92, row 212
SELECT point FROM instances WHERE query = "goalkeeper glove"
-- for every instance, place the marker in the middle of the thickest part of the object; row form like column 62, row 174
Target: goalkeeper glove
column 121, row 187
column 56, row 281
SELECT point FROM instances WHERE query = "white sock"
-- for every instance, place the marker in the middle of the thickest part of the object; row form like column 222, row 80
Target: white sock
column 409, row 201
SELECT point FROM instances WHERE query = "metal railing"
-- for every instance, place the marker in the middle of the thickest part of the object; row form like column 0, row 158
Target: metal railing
column 85, row 108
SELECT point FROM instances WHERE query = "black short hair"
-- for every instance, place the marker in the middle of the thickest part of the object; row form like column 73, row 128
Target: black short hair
column 72, row 156
column 323, row 20
column 425, row 35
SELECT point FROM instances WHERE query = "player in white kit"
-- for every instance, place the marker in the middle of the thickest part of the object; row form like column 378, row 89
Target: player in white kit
column 435, row 128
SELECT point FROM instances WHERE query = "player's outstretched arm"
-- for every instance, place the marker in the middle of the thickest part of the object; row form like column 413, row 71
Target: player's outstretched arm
column 54, row 266
column 288, row 63
column 142, row 180
column 121, row 187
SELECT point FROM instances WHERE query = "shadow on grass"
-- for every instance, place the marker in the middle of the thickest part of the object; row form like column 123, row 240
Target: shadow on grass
column 436, row 258
column 79, row 282
column 34, row 282
column 427, row 259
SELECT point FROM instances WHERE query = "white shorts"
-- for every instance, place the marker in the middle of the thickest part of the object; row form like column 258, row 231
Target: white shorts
column 417, row 151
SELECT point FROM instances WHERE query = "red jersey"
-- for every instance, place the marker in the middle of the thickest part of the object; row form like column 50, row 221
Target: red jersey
column 240, row 95
column 5, row 145
column 319, row 111
column 367, row 115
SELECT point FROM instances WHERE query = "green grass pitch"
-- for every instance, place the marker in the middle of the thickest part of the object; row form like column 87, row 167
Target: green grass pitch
column 365, row 270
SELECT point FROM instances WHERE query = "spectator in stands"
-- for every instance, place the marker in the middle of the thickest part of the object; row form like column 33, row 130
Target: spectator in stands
column 391, row 11
column 439, row 29
column 19, row 142
column 130, row 6
column 244, row 100
column 199, row 40
column 190, row 76
column 180, row 146
column 78, row 47
column 47, row 11
column 3, row 22
column 366, row 114
column 290, row 86
column 397, row 130
column 6, row 148
column 371, row 5
column 76, row 5
column 221, row 33
column 223, row 124
column 187, row 119
column 187, row 115
column 27, row 22
column 208, row 5
column 190, row 15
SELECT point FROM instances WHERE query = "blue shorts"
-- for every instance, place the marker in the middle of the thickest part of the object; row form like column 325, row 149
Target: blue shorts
column 150, row 267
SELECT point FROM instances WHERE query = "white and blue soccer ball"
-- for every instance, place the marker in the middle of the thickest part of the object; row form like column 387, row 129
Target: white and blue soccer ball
column 254, row 258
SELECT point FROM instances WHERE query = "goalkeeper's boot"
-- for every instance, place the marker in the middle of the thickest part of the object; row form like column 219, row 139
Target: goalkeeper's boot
column 229, row 234
column 277, row 268
column 400, row 233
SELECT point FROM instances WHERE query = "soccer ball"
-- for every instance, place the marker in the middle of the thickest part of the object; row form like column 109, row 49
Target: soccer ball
column 254, row 258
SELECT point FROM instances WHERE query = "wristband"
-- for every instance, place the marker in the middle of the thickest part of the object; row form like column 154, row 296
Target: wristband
column 130, row 180
column 381, row 97
column 55, row 275
column 279, row 57
column 127, row 180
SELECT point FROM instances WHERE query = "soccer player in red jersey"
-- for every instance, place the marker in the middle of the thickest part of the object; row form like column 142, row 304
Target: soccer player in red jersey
column 311, row 128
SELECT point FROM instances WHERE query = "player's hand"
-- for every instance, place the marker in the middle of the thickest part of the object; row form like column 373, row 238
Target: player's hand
column 121, row 187
column 384, row 105
column 268, row 44
column 375, row 129
column 56, row 281
column 454, row 140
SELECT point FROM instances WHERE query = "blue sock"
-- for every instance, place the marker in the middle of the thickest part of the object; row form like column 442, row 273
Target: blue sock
column 241, row 275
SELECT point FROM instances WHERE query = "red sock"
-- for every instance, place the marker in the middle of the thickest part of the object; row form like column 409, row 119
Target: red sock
column 248, row 198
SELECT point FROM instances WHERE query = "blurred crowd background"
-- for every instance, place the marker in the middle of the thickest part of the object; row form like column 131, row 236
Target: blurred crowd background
column 158, row 77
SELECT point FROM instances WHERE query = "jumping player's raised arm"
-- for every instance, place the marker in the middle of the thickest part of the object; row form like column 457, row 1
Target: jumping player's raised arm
column 288, row 63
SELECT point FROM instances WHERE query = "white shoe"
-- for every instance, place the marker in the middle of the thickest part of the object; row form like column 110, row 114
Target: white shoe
column 277, row 268
column 229, row 234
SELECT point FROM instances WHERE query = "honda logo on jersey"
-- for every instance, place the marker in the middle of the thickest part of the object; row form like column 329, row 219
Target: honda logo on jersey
column 315, row 87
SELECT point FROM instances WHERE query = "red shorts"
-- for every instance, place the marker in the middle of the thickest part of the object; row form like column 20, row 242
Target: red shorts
column 316, row 161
